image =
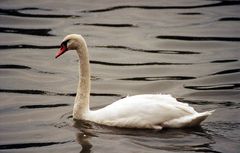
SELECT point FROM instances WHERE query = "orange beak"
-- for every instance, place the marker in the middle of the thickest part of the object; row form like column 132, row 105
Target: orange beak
column 62, row 50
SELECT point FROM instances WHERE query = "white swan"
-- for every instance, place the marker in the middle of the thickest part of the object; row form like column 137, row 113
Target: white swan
column 152, row 111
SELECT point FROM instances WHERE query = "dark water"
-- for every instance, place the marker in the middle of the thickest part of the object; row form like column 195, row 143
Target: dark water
column 188, row 48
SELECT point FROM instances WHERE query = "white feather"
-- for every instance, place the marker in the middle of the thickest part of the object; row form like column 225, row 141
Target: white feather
column 146, row 111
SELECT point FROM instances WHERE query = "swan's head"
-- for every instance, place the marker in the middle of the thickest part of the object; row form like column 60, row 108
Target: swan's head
column 70, row 42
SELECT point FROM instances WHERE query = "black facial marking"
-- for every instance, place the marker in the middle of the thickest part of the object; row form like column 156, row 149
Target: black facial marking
column 64, row 44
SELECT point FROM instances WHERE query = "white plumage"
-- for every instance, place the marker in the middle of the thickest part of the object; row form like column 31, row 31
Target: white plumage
column 153, row 111
column 148, row 111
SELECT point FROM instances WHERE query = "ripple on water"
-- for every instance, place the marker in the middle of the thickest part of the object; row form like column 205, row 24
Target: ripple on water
column 19, row 13
column 189, row 50
column 37, row 32
column 220, row 3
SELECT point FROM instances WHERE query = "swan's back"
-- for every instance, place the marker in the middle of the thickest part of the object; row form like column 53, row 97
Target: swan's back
column 144, row 111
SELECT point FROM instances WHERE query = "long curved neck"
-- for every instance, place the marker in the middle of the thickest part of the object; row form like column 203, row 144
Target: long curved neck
column 81, row 104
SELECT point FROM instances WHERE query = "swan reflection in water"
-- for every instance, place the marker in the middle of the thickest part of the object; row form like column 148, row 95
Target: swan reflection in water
column 84, row 136
column 84, row 140
column 167, row 140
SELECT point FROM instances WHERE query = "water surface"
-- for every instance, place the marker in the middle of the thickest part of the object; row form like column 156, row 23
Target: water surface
column 187, row 48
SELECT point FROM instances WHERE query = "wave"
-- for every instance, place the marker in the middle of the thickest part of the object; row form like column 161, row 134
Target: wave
column 207, row 102
column 224, row 61
column 17, row 12
column 149, row 51
column 36, row 32
column 190, row 13
column 107, row 25
column 17, row 46
column 30, row 145
column 215, row 87
column 229, row 19
column 227, row 72
column 136, row 64
column 217, row 4
column 43, row 106
column 36, row 92
column 13, row 66
column 49, row 93
column 195, row 38
column 159, row 78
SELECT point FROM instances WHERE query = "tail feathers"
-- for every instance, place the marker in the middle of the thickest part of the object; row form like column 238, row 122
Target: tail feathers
column 196, row 120
column 188, row 121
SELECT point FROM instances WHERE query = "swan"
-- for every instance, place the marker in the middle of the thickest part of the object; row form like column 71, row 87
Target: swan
column 149, row 111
